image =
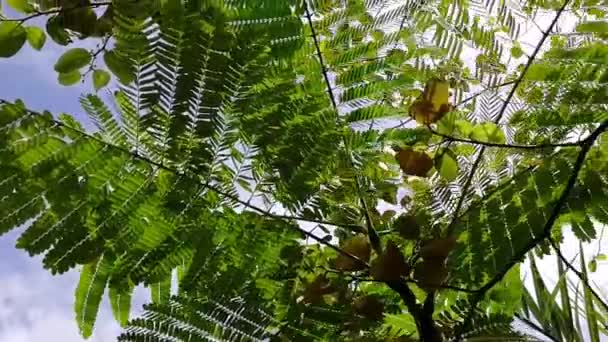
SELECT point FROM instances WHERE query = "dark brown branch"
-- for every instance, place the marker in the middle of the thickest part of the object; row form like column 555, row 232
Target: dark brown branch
column 502, row 111
column 371, row 232
column 55, row 11
column 191, row 175
column 514, row 146
column 546, row 233
column 578, row 273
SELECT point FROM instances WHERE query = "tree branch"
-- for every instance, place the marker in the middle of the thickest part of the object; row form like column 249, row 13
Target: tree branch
column 371, row 232
column 546, row 233
column 514, row 146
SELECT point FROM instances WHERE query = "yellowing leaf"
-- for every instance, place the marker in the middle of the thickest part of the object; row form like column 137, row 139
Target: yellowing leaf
column 315, row 291
column 36, row 37
column 437, row 92
column 390, row 265
column 369, row 307
column 413, row 162
column 12, row 38
column 433, row 104
column 438, row 248
column 358, row 246
column 431, row 273
column 407, row 227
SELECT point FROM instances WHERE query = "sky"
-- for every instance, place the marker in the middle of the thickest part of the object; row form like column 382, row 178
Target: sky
column 36, row 306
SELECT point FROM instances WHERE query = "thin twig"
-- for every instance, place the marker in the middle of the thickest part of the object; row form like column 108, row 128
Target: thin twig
column 578, row 273
column 371, row 232
column 481, row 92
column 55, row 11
column 515, row 146
column 535, row 327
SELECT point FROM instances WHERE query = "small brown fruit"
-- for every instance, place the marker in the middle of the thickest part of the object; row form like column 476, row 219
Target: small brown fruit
column 316, row 289
column 369, row 307
column 407, row 227
column 431, row 273
column 438, row 248
column 358, row 246
column 414, row 163
column 391, row 265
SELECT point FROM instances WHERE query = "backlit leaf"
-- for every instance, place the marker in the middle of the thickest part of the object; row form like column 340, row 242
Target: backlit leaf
column 101, row 78
column 36, row 37
column 12, row 38
column 21, row 6
column 72, row 60
column 69, row 78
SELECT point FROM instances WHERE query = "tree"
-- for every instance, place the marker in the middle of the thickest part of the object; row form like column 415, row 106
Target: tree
column 242, row 129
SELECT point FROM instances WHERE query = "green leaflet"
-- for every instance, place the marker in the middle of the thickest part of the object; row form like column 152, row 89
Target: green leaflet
column 101, row 78
column 590, row 311
column 596, row 26
column 161, row 291
column 119, row 67
column 91, row 286
column 12, row 38
column 69, row 78
column 120, row 301
column 57, row 32
column 72, row 60
column 36, row 37
column 447, row 165
column 487, row 132
column 22, row 6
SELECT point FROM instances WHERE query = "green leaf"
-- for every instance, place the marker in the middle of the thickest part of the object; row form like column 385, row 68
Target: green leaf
column 119, row 67
column 21, row 6
column 602, row 257
column 36, row 37
column 69, row 78
column 488, row 132
column 73, row 60
column 161, row 291
column 516, row 51
column 447, row 124
column 590, row 312
column 593, row 265
column 120, row 300
column 595, row 26
column 101, row 78
column 12, row 38
column 57, row 32
column 447, row 165
column 91, row 287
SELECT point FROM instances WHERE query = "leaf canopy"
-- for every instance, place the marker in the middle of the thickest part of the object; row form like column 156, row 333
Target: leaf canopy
column 322, row 170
